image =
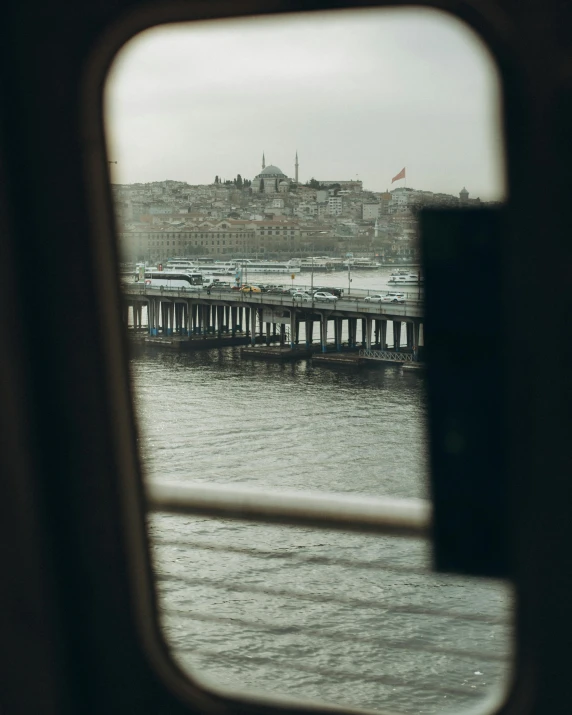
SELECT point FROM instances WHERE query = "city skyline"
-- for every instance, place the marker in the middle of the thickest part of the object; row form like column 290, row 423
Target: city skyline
column 411, row 88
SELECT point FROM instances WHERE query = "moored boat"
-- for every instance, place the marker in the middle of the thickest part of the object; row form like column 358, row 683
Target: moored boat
column 405, row 279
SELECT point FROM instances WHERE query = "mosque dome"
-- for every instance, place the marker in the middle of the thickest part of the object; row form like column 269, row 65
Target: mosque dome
column 273, row 171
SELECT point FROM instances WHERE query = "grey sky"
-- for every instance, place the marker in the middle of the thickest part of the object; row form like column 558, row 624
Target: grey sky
column 361, row 93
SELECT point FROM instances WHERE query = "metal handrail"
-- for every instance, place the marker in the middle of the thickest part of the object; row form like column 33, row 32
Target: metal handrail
column 396, row 517
column 356, row 297
column 386, row 355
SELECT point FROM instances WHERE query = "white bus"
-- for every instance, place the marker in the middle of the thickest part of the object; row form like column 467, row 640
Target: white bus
column 171, row 279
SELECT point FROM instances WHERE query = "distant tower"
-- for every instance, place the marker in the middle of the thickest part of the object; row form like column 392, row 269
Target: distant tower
column 263, row 161
column 464, row 196
column 376, row 229
column 296, row 168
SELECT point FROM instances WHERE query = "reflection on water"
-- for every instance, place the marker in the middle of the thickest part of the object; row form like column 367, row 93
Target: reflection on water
column 345, row 618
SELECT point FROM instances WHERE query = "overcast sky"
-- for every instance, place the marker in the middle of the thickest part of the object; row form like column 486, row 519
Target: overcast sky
column 358, row 94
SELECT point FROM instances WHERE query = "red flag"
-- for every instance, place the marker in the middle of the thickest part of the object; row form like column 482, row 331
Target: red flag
column 401, row 175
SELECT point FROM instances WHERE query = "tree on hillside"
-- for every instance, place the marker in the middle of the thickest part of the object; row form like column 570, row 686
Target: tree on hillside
column 238, row 181
column 216, row 179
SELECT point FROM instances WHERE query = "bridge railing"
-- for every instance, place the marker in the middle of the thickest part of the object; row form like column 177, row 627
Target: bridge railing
column 278, row 298
column 386, row 355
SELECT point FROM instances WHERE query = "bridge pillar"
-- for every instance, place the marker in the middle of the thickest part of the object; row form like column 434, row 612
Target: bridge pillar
column 396, row 334
column 383, row 334
column 282, row 334
column 338, row 324
column 293, row 328
column 368, row 333
column 298, row 332
column 220, row 319
column 324, row 332
column 233, row 312
column 267, row 333
column 364, row 332
column 353, row 322
column 226, row 318
column 260, row 323
column 177, row 312
column 164, row 318
column 253, row 326
column 171, row 318
column 409, row 329
column 415, row 326
column 156, row 316
column 309, row 331
column 205, row 319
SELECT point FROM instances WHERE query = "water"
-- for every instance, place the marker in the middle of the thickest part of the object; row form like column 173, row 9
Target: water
column 342, row 618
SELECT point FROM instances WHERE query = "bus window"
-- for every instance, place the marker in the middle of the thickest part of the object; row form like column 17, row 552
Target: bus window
column 335, row 129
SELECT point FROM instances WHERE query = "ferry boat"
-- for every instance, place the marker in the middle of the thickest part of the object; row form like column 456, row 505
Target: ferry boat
column 267, row 266
column 181, row 264
column 219, row 268
column 316, row 263
column 403, row 278
column 362, row 264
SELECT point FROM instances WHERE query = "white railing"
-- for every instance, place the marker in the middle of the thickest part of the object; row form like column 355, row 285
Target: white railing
column 386, row 355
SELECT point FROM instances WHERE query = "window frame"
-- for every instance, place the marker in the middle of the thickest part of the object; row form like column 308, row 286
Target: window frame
column 124, row 508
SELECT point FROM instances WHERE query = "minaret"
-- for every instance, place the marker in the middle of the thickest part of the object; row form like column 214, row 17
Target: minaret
column 263, row 162
column 296, row 168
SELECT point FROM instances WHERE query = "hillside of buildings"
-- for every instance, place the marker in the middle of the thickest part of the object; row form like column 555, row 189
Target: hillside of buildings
column 271, row 217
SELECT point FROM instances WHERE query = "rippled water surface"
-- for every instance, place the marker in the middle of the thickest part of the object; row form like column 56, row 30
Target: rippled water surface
column 343, row 618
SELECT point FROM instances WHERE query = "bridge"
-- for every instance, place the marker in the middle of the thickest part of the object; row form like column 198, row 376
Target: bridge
column 272, row 317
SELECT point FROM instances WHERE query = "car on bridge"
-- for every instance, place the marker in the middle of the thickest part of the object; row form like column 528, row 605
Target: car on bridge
column 385, row 298
column 394, row 298
column 323, row 295
column 277, row 290
column 338, row 292
column 301, row 295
